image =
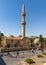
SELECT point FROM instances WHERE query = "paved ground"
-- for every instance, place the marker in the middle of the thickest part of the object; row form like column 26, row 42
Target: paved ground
column 13, row 60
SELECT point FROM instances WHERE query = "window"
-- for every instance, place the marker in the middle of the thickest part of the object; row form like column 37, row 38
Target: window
column 27, row 42
column 8, row 45
column 12, row 41
column 15, row 45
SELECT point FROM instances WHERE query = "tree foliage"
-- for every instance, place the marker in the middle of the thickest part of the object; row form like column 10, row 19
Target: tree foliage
column 45, row 40
column 32, row 40
column 41, row 41
column 1, row 34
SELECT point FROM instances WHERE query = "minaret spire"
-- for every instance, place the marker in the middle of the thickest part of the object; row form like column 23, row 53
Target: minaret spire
column 23, row 9
column 23, row 20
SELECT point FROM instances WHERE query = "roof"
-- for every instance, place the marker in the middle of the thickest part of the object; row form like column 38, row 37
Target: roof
column 16, row 38
column 12, row 37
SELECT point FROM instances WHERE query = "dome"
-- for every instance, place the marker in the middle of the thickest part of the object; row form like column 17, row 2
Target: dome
column 36, row 41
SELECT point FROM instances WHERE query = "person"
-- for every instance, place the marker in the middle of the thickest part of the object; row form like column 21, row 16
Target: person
column 32, row 50
column 17, row 54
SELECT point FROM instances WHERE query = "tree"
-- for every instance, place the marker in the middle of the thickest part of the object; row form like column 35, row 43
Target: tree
column 1, row 34
column 41, row 40
column 45, row 40
column 32, row 40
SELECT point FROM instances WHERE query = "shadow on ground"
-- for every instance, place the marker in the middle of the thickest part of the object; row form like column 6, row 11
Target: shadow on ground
column 2, row 61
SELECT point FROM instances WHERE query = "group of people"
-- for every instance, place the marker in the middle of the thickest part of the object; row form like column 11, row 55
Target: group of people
column 33, row 52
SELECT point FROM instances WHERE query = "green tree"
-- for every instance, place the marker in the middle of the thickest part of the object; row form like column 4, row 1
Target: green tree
column 1, row 34
column 45, row 40
column 41, row 40
column 32, row 40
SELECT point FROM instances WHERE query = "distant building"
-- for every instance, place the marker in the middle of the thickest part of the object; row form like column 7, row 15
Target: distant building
column 20, row 41
column 36, row 41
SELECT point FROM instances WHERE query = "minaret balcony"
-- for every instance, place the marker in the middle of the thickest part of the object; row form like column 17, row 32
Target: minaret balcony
column 23, row 23
column 23, row 14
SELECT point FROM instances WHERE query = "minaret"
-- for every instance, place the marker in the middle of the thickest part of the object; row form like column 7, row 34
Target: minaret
column 23, row 21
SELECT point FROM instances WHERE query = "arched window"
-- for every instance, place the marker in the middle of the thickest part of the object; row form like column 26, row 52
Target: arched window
column 12, row 41
column 15, row 45
column 8, row 45
column 27, row 42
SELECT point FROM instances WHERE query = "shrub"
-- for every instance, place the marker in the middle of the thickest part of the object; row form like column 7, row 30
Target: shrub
column 40, row 56
column 44, row 53
column 29, row 61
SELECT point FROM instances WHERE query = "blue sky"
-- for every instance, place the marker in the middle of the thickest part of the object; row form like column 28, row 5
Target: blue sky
column 11, row 19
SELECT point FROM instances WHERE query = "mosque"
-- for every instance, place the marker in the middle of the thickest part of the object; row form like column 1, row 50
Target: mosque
column 20, row 41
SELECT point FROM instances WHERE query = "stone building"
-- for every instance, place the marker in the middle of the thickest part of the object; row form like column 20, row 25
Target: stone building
column 20, row 41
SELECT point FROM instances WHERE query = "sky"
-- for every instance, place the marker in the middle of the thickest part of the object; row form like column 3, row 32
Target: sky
column 11, row 18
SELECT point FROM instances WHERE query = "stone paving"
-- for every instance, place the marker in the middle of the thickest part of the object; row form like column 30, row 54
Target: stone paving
column 13, row 60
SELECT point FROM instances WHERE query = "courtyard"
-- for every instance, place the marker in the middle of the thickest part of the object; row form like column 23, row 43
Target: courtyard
column 13, row 59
